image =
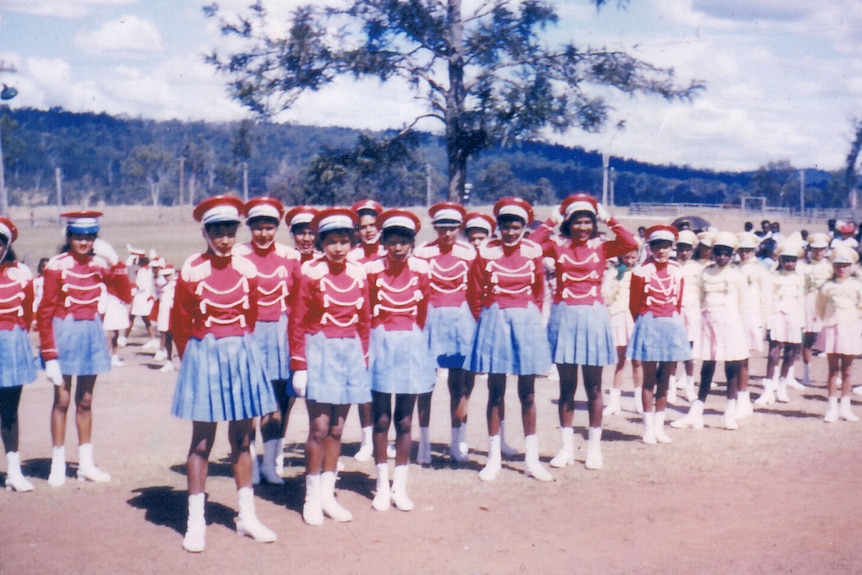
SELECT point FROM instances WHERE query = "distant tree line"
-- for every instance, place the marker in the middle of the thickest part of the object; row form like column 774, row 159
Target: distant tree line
column 131, row 161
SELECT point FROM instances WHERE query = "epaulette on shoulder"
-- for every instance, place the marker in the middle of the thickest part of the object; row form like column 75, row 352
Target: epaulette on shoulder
column 244, row 265
column 418, row 265
column 530, row 249
column 287, row 252
column 464, row 251
column 195, row 268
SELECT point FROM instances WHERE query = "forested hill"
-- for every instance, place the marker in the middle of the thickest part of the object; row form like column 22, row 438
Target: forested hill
column 116, row 160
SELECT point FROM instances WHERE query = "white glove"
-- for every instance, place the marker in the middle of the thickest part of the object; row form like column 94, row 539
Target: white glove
column 603, row 213
column 299, row 382
column 104, row 250
column 557, row 216
column 52, row 370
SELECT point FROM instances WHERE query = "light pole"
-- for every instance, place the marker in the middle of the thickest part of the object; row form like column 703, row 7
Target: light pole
column 7, row 93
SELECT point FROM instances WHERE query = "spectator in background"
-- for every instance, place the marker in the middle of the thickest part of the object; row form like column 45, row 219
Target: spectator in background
column 765, row 230
column 775, row 228
column 846, row 236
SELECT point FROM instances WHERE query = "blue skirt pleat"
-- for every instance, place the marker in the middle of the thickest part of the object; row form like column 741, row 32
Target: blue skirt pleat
column 337, row 373
column 511, row 340
column 81, row 346
column 400, row 362
column 659, row 339
column 581, row 335
column 450, row 332
column 271, row 339
column 17, row 366
column 222, row 380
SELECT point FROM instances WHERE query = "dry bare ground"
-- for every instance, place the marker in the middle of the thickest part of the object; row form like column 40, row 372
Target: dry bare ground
column 781, row 494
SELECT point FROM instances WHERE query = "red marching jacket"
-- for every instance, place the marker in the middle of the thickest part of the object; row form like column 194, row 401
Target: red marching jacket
column 216, row 295
column 77, row 286
column 580, row 267
column 510, row 276
column 16, row 296
column 332, row 298
column 398, row 292
column 656, row 287
column 277, row 277
column 448, row 270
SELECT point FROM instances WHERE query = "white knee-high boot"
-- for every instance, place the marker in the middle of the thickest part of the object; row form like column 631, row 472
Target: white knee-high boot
column 399, row 489
column 566, row 455
column 455, row 452
column 366, row 448
column 730, row 415
column 845, row 410
column 532, row 466
column 312, row 511
column 268, row 469
column 247, row 522
column 57, row 477
column 693, row 419
column 660, row 434
column 613, row 406
column 423, row 453
column 87, row 470
column 832, row 412
column 495, row 460
column 383, row 497
column 331, row 507
column 594, row 449
column 15, row 480
column 194, row 540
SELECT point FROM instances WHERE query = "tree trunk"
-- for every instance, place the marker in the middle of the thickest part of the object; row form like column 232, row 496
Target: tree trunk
column 455, row 153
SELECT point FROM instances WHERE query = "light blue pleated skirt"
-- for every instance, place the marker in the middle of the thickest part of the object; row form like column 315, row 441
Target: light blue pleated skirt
column 271, row 339
column 17, row 366
column 450, row 332
column 400, row 362
column 222, row 380
column 511, row 340
column 81, row 346
column 659, row 339
column 336, row 370
column 581, row 335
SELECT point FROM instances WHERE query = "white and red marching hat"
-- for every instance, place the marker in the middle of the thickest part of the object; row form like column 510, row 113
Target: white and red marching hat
column 218, row 209
column 367, row 206
column 661, row 232
column 481, row 221
column 518, row 207
column 579, row 203
column 82, row 222
column 397, row 218
column 8, row 229
column 299, row 215
column 447, row 214
column 264, row 207
column 334, row 219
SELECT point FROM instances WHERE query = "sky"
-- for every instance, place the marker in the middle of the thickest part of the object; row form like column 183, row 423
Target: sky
column 783, row 77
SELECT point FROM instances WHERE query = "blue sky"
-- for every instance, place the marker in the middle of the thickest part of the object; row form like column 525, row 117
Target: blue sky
column 784, row 77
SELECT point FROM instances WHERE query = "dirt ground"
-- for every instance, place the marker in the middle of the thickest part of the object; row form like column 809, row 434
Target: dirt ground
column 781, row 494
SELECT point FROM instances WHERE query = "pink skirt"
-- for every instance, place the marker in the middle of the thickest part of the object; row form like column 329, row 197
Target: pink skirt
column 622, row 326
column 785, row 328
column 813, row 323
column 722, row 337
column 842, row 339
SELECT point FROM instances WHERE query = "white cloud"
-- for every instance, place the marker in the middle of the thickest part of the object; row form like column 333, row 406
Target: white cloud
column 127, row 35
column 60, row 8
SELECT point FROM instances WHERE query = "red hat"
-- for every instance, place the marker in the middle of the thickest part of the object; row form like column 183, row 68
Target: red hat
column 661, row 232
column 8, row 229
column 397, row 218
column 847, row 228
column 82, row 222
column 482, row 221
column 579, row 203
column 218, row 209
column 511, row 206
column 367, row 205
column 264, row 207
column 300, row 215
column 447, row 214
column 334, row 219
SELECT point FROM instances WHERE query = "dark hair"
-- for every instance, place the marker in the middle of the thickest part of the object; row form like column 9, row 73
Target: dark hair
column 300, row 228
column 251, row 221
column 405, row 233
column 9, row 256
column 508, row 218
column 318, row 241
column 566, row 226
column 366, row 212
column 41, row 265
column 748, row 226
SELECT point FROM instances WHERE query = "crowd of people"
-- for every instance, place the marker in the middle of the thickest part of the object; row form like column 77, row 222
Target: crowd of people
column 355, row 313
